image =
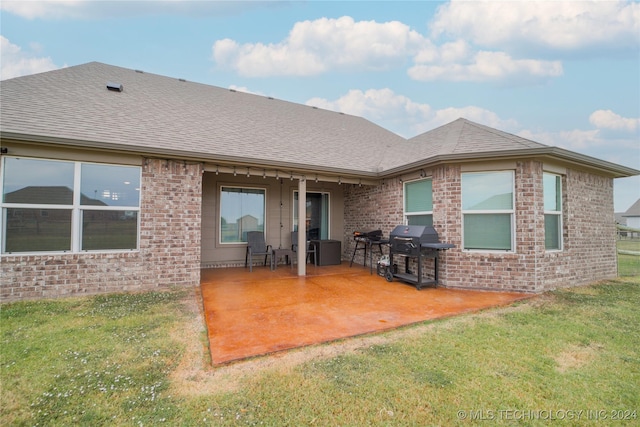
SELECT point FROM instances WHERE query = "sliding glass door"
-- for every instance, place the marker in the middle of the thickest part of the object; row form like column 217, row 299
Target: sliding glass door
column 316, row 216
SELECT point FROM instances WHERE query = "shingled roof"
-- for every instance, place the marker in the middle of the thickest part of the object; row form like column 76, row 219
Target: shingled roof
column 163, row 116
column 634, row 210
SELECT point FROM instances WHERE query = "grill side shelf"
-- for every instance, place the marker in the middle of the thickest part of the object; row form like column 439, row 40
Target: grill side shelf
column 426, row 250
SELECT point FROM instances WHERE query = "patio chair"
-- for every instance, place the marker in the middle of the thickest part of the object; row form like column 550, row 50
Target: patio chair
column 311, row 249
column 256, row 245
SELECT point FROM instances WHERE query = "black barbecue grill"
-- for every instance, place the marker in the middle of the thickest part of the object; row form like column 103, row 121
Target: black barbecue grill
column 414, row 242
column 365, row 240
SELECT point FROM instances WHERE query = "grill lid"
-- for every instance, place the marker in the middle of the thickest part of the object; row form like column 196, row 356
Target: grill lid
column 371, row 234
column 418, row 233
column 416, row 236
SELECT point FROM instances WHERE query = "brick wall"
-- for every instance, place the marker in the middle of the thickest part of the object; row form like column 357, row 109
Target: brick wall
column 515, row 271
column 371, row 208
column 169, row 252
column 589, row 231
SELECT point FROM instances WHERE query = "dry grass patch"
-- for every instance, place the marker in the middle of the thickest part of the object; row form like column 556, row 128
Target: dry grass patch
column 577, row 356
column 143, row 359
column 195, row 375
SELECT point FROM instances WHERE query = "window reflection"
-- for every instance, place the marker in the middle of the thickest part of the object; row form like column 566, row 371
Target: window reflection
column 30, row 230
column 487, row 190
column 35, row 190
column 106, row 185
column 487, row 202
column 37, row 181
column 317, row 215
column 109, row 230
column 241, row 210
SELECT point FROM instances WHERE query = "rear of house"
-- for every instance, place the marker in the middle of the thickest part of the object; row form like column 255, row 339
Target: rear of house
column 524, row 225
column 108, row 190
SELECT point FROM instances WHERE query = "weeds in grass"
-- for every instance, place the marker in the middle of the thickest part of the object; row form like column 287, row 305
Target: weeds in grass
column 107, row 361
column 92, row 361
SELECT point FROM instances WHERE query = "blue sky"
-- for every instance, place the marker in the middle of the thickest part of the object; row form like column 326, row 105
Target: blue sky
column 563, row 73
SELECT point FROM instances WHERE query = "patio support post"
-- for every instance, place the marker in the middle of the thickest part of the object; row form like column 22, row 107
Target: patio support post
column 302, row 227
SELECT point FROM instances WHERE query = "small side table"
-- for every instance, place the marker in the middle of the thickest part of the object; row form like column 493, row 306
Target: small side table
column 279, row 253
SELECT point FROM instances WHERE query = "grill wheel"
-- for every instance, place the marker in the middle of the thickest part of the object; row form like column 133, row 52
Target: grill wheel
column 388, row 275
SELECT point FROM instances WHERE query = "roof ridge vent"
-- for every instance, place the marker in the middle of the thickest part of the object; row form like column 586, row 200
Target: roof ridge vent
column 181, row 80
column 115, row 87
column 139, row 71
column 232, row 90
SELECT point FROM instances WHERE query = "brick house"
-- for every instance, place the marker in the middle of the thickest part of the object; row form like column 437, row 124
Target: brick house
column 167, row 175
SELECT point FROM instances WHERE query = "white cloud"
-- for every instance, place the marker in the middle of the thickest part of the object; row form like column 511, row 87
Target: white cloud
column 16, row 62
column 475, row 114
column 97, row 9
column 30, row 9
column 382, row 106
column 591, row 142
column 576, row 140
column 607, row 119
column 484, row 66
column 255, row 60
column 545, row 25
column 407, row 118
column 403, row 116
column 324, row 45
column 314, row 47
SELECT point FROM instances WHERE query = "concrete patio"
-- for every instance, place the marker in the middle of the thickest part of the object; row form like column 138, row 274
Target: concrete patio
column 252, row 314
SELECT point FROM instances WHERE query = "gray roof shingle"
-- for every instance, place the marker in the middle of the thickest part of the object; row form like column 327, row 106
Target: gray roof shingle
column 162, row 115
column 634, row 210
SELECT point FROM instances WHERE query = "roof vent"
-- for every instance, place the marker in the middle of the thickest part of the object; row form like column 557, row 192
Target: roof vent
column 116, row 87
column 181, row 80
column 139, row 71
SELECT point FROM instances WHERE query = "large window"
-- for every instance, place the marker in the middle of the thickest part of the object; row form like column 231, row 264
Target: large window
column 552, row 211
column 241, row 210
column 60, row 206
column 317, row 215
column 487, row 210
column 418, row 202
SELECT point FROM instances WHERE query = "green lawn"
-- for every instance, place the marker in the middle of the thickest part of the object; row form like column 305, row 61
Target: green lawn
column 140, row 359
column 629, row 259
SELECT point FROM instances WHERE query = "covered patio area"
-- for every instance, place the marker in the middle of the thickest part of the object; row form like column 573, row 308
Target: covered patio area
column 251, row 314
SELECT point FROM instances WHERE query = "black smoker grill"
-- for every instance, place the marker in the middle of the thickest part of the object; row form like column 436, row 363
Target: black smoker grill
column 418, row 242
column 365, row 240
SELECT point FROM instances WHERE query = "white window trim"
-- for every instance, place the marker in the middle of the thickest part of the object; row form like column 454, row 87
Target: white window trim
column 511, row 212
column 556, row 213
column 406, row 215
column 219, row 219
column 76, row 212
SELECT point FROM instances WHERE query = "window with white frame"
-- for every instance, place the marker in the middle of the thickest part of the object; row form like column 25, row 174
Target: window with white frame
column 65, row 206
column 552, row 187
column 488, row 210
column 241, row 210
column 418, row 202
